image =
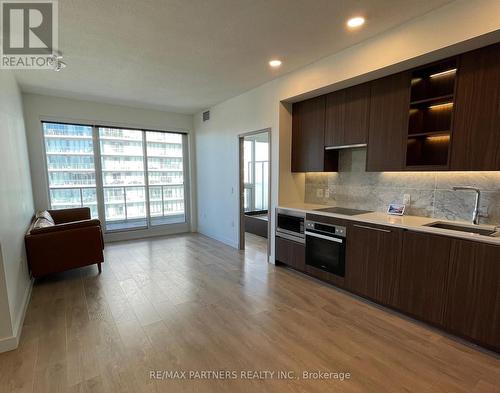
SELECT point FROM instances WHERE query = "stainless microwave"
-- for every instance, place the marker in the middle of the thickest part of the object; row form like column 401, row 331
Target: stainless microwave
column 290, row 224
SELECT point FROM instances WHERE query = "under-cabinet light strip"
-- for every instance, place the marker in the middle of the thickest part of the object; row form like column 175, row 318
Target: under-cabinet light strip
column 443, row 73
column 441, row 106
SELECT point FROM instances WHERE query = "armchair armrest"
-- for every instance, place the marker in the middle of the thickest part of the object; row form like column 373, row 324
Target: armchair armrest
column 68, row 215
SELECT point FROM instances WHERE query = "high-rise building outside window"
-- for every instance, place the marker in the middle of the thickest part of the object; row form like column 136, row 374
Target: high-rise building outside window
column 166, row 177
column 139, row 182
column 70, row 166
column 256, row 172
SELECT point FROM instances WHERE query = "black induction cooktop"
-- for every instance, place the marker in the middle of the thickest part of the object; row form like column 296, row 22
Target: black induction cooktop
column 343, row 210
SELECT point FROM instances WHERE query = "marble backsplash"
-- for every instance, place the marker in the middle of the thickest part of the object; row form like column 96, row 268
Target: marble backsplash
column 431, row 192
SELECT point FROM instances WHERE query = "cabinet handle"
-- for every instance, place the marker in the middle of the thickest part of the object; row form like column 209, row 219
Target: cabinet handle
column 324, row 237
column 294, row 239
column 373, row 229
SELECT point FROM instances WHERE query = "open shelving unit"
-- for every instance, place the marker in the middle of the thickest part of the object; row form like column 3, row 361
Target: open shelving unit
column 430, row 116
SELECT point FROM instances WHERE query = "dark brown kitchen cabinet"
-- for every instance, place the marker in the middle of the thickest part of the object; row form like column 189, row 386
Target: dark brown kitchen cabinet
column 388, row 124
column 473, row 292
column 347, row 115
column 476, row 117
column 290, row 253
column 424, row 270
column 373, row 258
column 308, row 138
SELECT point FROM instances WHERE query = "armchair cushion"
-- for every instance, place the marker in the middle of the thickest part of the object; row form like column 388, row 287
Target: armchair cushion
column 42, row 220
column 46, row 215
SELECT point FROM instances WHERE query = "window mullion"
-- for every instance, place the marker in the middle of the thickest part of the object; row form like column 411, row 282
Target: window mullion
column 186, row 189
column 98, row 174
column 146, row 177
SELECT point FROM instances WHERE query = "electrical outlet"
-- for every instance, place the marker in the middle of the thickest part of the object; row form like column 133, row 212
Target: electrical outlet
column 406, row 199
column 319, row 193
column 483, row 211
column 327, row 193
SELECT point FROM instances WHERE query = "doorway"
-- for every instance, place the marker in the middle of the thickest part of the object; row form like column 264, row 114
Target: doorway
column 255, row 189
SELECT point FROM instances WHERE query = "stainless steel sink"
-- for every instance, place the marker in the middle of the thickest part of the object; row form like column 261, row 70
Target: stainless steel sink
column 462, row 228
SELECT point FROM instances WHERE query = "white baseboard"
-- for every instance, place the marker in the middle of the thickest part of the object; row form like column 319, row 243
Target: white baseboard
column 222, row 239
column 172, row 229
column 10, row 343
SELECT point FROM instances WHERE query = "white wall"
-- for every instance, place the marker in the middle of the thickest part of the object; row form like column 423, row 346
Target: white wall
column 217, row 160
column 16, row 211
column 441, row 33
column 39, row 107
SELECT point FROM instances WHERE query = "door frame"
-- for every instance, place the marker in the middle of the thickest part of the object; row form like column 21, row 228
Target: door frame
column 241, row 189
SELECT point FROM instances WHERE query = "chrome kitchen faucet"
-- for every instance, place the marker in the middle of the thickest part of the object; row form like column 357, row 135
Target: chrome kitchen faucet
column 476, row 214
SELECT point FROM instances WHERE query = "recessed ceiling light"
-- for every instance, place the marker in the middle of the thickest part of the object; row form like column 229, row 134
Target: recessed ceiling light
column 275, row 63
column 356, row 21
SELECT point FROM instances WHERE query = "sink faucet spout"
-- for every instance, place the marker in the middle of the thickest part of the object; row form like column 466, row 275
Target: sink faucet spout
column 476, row 213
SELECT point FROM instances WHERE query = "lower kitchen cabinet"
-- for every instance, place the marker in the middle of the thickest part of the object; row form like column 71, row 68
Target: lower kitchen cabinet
column 473, row 292
column 373, row 258
column 290, row 253
column 424, row 271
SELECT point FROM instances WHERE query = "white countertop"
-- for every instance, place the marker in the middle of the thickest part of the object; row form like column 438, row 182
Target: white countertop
column 414, row 223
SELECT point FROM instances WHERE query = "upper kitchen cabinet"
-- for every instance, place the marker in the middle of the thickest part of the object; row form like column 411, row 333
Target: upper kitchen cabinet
column 388, row 123
column 347, row 116
column 437, row 117
column 308, row 138
column 430, row 116
column 476, row 119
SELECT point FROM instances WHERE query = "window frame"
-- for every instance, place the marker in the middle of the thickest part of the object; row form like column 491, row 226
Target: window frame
column 149, row 230
column 46, row 162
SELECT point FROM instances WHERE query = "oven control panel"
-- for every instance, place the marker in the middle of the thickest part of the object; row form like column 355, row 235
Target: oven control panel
column 330, row 229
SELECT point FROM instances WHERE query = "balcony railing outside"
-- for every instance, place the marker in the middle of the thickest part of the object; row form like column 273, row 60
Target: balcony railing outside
column 131, row 199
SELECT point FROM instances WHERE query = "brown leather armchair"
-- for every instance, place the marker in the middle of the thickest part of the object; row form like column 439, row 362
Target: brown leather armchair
column 74, row 240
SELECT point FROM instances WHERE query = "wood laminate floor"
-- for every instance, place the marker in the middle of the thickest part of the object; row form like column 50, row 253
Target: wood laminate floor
column 255, row 243
column 189, row 303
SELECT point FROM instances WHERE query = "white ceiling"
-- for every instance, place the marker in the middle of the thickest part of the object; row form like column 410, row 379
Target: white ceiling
column 186, row 55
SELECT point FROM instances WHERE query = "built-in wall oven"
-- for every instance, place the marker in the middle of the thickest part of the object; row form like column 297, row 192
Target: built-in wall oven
column 325, row 247
column 290, row 225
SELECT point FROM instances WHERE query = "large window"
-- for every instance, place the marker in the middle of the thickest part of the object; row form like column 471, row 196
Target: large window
column 138, row 183
column 123, row 178
column 165, row 177
column 70, row 166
